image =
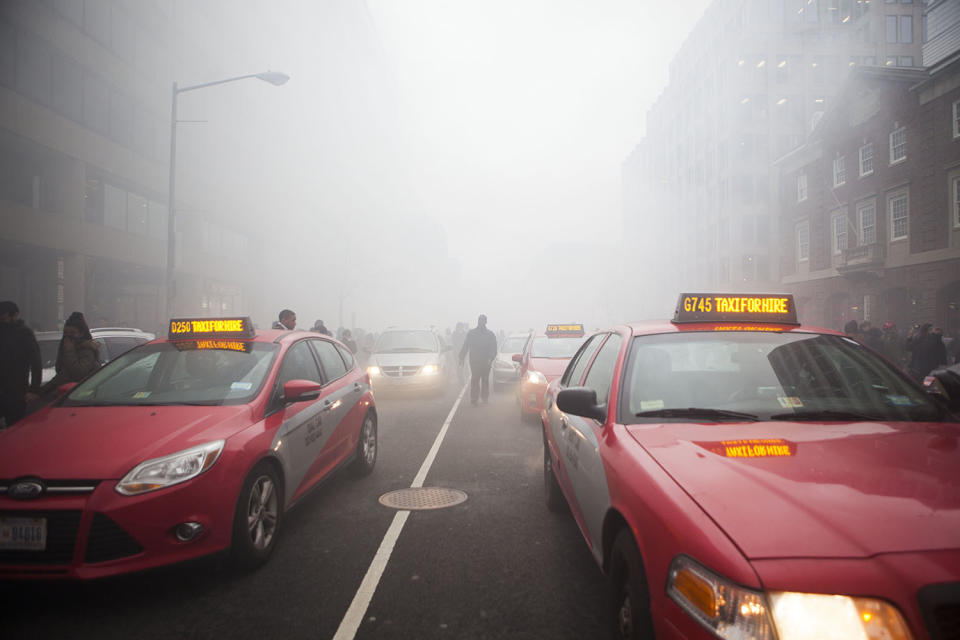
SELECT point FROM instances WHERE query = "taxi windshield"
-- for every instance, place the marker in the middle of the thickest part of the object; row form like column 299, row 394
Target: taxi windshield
column 177, row 373
column 544, row 347
column 418, row 341
column 513, row 344
column 716, row 376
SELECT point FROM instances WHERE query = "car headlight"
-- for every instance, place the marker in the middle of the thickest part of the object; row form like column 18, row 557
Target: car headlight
column 726, row 609
column 373, row 370
column 430, row 369
column 805, row 616
column 535, row 377
column 170, row 470
column 731, row 611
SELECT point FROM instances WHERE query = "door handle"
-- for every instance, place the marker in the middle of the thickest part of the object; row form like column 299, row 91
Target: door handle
column 563, row 423
column 357, row 386
column 326, row 405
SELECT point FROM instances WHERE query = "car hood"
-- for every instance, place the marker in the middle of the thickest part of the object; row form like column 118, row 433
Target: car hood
column 549, row 367
column 818, row 490
column 100, row 443
column 405, row 359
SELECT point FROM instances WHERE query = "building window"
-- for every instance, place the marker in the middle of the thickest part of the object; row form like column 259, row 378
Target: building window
column 906, row 61
column 891, row 29
column 955, row 190
column 801, row 187
column 956, row 119
column 867, row 220
column 839, row 233
column 866, row 159
column 906, row 29
column 898, row 145
column 898, row 207
column 839, row 171
column 803, row 242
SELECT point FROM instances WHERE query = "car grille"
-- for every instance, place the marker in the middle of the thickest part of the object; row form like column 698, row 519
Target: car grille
column 109, row 541
column 62, row 529
column 940, row 604
column 400, row 372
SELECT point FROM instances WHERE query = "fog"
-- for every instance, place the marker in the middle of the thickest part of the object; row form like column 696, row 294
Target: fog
column 429, row 161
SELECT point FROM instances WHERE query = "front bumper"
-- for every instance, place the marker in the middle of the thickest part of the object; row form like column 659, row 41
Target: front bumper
column 103, row 533
column 531, row 397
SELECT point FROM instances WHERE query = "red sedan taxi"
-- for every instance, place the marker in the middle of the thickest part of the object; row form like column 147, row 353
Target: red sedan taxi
column 180, row 448
column 545, row 355
column 738, row 475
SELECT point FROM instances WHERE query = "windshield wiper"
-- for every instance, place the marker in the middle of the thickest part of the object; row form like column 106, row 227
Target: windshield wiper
column 698, row 412
column 825, row 414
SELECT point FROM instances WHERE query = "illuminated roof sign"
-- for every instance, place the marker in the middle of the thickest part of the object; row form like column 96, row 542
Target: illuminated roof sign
column 564, row 331
column 195, row 328
column 736, row 307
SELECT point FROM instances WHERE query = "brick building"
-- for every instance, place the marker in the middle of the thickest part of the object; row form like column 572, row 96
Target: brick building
column 870, row 204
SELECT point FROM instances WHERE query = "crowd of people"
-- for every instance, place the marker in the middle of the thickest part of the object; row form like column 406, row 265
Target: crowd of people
column 918, row 352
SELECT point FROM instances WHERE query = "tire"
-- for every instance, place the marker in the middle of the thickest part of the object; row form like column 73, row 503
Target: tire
column 629, row 611
column 259, row 512
column 366, row 454
column 554, row 495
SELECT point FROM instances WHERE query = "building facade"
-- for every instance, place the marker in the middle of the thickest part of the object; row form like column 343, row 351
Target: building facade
column 870, row 205
column 746, row 87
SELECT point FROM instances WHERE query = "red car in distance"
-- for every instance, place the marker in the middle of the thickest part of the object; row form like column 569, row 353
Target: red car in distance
column 545, row 355
column 180, row 448
column 738, row 475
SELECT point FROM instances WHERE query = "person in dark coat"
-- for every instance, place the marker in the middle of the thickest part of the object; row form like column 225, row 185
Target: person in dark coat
column 77, row 357
column 871, row 336
column 20, row 364
column 481, row 345
column 928, row 352
column 287, row 321
column 319, row 327
column 348, row 340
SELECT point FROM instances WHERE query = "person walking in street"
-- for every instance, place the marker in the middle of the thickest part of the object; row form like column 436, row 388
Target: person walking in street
column 892, row 344
column 20, row 364
column 77, row 356
column 348, row 340
column 481, row 344
column 287, row 321
column 319, row 327
column 927, row 352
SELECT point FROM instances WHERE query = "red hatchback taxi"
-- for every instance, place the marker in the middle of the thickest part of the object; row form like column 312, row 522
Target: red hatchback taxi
column 545, row 355
column 180, row 448
column 738, row 475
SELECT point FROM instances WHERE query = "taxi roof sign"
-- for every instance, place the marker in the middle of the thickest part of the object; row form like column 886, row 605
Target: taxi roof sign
column 564, row 330
column 196, row 328
column 775, row 308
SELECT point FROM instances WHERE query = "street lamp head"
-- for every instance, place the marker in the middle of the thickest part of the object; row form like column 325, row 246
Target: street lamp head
column 275, row 78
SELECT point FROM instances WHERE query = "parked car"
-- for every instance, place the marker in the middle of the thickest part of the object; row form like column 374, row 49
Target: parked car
column 114, row 341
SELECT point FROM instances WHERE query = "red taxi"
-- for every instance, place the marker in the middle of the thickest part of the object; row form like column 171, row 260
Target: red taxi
column 545, row 355
column 738, row 475
column 180, row 448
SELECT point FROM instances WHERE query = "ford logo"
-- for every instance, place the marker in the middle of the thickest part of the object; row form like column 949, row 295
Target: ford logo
column 25, row 489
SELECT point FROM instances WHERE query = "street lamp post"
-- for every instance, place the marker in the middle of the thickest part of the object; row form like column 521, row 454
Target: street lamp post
column 275, row 78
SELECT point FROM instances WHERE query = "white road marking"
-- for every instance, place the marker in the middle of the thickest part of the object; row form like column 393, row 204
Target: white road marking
column 361, row 600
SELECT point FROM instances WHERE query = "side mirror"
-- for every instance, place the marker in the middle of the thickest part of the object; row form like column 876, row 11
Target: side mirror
column 517, row 357
column 581, row 401
column 301, row 390
column 64, row 389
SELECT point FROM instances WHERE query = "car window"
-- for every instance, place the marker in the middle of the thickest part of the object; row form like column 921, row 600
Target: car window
column 330, row 359
column 574, row 373
column 600, row 374
column 178, row 374
column 118, row 345
column 513, row 345
column 399, row 341
column 299, row 364
column 544, row 347
column 347, row 356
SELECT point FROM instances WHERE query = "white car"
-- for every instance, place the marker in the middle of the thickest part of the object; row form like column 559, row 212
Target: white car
column 409, row 359
column 505, row 371
column 113, row 342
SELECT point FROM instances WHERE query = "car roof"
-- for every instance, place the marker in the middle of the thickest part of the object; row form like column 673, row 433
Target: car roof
column 651, row 327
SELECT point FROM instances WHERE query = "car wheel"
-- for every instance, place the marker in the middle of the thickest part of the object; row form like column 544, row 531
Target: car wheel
column 630, row 599
column 555, row 500
column 366, row 457
column 256, row 523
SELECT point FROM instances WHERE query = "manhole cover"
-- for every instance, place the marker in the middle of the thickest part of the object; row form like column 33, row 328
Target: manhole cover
column 420, row 498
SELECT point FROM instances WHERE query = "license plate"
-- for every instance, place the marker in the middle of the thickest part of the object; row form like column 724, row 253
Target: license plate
column 23, row 534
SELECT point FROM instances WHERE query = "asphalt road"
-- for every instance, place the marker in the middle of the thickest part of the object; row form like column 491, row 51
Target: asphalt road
column 496, row 566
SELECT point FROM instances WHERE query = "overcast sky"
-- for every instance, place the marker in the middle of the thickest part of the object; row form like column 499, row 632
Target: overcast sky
column 520, row 112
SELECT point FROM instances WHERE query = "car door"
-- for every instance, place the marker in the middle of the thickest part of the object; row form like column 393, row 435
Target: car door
column 580, row 447
column 340, row 393
column 303, row 432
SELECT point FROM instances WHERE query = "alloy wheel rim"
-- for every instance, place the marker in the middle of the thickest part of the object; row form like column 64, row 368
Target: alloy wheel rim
column 369, row 442
column 625, row 617
column 262, row 512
